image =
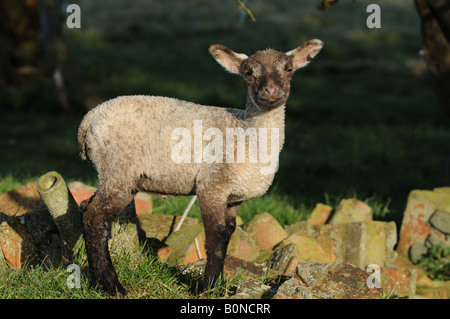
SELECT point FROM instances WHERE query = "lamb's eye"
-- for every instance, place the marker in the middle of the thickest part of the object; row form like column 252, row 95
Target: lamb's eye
column 248, row 73
column 289, row 70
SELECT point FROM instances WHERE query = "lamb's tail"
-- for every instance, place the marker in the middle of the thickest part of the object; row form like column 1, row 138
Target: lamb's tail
column 82, row 131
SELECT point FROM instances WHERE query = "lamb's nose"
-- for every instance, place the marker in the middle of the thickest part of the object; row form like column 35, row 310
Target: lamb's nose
column 271, row 90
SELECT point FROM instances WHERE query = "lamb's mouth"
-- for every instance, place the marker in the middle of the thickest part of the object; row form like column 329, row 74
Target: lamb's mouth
column 271, row 102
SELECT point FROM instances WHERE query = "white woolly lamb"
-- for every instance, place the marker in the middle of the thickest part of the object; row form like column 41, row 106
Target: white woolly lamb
column 156, row 145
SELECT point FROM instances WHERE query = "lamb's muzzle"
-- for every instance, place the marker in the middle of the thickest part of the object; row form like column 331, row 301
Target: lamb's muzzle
column 129, row 140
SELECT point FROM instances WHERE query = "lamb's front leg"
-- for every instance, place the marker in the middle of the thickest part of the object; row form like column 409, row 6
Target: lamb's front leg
column 219, row 221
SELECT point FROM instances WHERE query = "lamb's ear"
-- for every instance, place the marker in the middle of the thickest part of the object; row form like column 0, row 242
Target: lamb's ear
column 230, row 60
column 302, row 55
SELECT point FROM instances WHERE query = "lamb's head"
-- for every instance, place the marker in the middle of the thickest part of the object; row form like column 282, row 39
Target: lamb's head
column 268, row 73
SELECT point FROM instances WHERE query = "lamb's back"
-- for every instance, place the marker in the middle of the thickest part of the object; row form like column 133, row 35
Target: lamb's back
column 133, row 135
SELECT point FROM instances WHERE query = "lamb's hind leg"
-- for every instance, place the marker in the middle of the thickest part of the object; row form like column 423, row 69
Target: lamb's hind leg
column 99, row 214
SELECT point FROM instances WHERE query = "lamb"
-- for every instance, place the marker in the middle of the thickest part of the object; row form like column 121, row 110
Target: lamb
column 134, row 144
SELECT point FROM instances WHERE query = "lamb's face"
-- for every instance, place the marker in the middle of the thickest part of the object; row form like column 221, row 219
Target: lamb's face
column 268, row 75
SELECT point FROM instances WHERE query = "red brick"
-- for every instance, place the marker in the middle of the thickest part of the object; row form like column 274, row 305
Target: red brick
column 320, row 214
column 396, row 281
column 20, row 200
column 243, row 245
column 351, row 210
column 81, row 192
column 143, row 203
column 16, row 244
column 268, row 232
column 307, row 249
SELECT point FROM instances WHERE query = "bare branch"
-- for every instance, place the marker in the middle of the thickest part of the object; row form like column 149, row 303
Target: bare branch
column 242, row 6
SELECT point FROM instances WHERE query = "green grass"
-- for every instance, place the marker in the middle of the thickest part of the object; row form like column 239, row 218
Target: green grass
column 142, row 276
column 436, row 263
column 362, row 120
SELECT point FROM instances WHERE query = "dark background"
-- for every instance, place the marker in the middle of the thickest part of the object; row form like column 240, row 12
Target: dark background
column 365, row 119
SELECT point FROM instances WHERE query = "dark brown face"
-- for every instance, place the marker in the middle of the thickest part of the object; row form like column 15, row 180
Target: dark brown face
column 268, row 74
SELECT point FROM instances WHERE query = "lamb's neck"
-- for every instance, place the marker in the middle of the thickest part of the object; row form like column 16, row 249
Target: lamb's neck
column 273, row 119
column 270, row 119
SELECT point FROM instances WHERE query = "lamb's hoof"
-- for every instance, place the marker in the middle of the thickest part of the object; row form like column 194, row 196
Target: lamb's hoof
column 209, row 283
column 116, row 290
column 121, row 292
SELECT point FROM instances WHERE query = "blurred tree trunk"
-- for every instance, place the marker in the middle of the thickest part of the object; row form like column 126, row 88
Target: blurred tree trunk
column 33, row 49
column 57, row 53
column 20, row 49
column 435, row 29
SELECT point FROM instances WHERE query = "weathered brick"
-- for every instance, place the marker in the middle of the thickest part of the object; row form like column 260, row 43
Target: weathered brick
column 320, row 214
column 233, row 264
column 295, row 227
column 20, row 200
column 183, row 249
column 182, row 244
column 17, row 244
column 441, row 221
column 350, row 211
column 293, row 289
column 81, row 192
column 268, row 232
column 440, row 291
column 422, row 279
column 345, row 281
column 251, row 289
column 343, row 235
column 420, row 207
column 313, row 272
column 360, row 244
column 328, row 281
column 306, row 247
column 243, row 245
column 161, row 226
column 391, row 241
column 398, row 281
column 143, row 203
column 124, row 238
column 291, row 266
column 323, row 235
column 281, row 257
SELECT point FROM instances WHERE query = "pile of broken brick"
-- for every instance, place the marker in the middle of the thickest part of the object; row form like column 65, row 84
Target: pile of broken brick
column 336, row 253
